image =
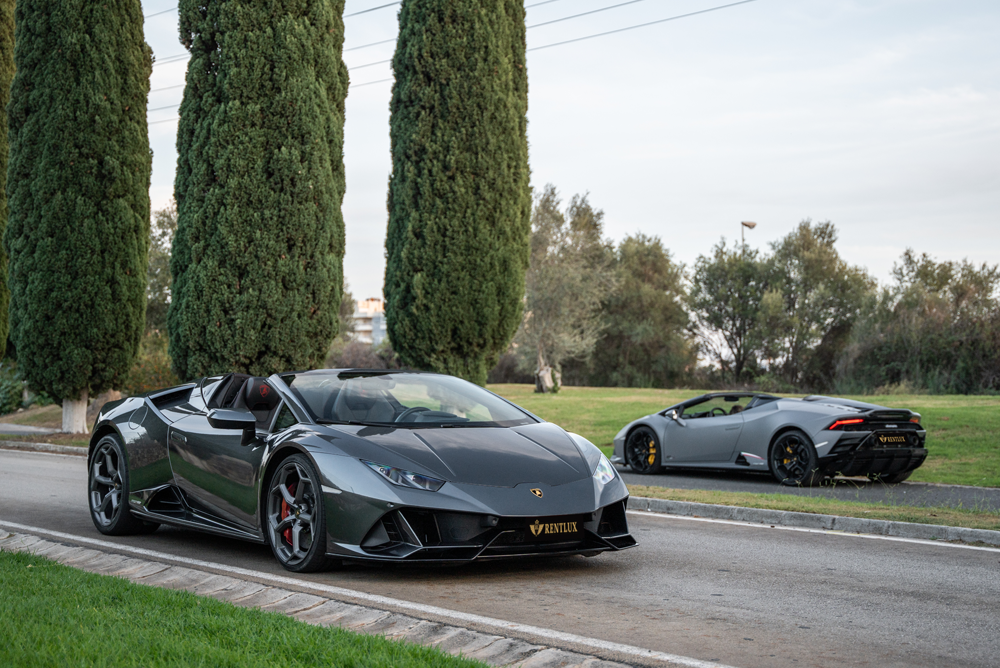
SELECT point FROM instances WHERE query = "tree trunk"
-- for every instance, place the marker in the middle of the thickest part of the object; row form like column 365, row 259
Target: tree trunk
column 74, row 414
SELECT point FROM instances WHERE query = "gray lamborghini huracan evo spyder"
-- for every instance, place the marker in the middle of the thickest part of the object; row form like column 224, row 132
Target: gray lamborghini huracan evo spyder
column 801, row 441
column 355, row 465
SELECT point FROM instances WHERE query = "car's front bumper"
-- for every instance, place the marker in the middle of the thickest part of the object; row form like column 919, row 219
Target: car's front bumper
column 419, row 535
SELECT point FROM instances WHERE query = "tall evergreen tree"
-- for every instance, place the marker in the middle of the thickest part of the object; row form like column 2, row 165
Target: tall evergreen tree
column 6, row 76
column 257, row 258
column 459, row 195
column 78, row 196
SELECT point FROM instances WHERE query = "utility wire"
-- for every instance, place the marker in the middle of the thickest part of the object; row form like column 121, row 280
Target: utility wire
column 157, row 90
column 365, row 46
column 576, row 16
column 166, row 120
column 641, row 25
column 165, row 11
column 372, row 9
column 172, row 106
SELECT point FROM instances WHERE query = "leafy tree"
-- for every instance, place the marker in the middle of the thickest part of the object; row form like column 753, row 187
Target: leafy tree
column 78, row 196
column 257, row 259
column 937, row 328
column 161, row 235
column 459, row 197
column 726, row 294
column 822, row 297
column 6, row 76
column 645, row 340
column 571, row 272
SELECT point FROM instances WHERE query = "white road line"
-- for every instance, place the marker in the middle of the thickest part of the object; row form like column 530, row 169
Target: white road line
column 755, row 525
column 468, row 618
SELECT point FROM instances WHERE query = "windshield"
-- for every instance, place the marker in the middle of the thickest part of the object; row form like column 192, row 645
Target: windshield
column 404, row 399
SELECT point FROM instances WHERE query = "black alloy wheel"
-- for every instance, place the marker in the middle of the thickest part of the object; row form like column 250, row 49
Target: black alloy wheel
column 642, row 451
column 295, row 524
column 108, row 491
column 793, row 460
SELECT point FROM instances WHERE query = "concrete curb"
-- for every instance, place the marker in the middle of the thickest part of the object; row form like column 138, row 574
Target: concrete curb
column 495, row 650
column 814, row 521
column 44, row 447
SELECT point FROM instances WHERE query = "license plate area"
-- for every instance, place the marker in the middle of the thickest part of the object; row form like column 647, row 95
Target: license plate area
column 891, row 440
column 554, row 529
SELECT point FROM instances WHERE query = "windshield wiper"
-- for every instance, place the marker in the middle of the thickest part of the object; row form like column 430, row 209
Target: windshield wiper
column 352, row 422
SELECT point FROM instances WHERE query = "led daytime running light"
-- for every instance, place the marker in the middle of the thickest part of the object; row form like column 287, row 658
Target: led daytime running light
column 405, row 478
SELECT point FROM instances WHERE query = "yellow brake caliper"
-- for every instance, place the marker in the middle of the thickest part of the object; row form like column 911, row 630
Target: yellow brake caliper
column 652, row 452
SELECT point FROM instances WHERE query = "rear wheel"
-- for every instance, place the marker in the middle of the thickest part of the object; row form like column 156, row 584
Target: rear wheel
column 793, row 460
column 893, row 479
column 107, row 491
column 295, row 524
column 642, row 451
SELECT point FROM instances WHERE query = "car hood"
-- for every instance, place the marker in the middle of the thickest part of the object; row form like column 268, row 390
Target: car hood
column 494, row 456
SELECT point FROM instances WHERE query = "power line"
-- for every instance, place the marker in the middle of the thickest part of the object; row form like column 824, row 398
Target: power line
column 365, row 46
column 166, row 120
column 172, row 106
column 165, row 11
column 157, row 90
column 576, row 16
column 361, row 67
column 641, row 25
column 370, row 83
column 365, row 11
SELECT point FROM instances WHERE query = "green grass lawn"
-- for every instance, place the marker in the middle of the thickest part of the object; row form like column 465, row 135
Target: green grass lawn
column 54, row 615
column 963, row 432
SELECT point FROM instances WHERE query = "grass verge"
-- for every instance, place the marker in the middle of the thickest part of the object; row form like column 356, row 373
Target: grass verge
column 58, row 616
column 955, row 517
column 961, row 430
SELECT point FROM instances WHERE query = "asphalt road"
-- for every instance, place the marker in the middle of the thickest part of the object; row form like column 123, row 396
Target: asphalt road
column 744, row 596
column 844, row 489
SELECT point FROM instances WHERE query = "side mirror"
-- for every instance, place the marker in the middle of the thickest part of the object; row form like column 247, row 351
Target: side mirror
column 220, row 418
column 676, row 418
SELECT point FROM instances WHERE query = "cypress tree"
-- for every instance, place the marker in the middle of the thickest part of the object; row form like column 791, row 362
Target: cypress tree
column 78, row 196
column 257, row 260
column 6, row 76
column 459, row 197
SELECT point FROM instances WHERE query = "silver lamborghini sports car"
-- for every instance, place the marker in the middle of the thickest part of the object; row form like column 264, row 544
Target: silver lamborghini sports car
column 801, row 441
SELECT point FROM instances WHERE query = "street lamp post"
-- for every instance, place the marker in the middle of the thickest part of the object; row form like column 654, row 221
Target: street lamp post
column 743, row 241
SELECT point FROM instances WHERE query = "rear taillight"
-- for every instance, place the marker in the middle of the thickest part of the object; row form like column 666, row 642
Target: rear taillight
column 915, row 420
column 839, row 424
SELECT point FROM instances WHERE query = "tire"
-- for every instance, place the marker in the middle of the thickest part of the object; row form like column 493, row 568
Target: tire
column 295, row 519
column 893, row 479
column 108, row 490
column 793, row 460
column 642, row 451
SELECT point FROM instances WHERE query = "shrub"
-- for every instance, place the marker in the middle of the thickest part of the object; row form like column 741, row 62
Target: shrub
column 10, row 395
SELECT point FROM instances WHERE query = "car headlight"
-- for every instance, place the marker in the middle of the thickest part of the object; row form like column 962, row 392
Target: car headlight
column 605, row 472
column 406, row 478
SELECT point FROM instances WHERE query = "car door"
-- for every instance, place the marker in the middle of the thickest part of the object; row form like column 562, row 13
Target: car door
column 217, row 473
column 703, row 439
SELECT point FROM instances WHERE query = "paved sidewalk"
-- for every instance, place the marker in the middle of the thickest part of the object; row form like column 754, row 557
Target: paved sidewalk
column 495, row 650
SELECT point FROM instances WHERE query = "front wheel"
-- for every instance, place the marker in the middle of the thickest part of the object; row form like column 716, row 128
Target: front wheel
column 642, row 451
column 295, row 523
column 794, row 461
column 107, row 491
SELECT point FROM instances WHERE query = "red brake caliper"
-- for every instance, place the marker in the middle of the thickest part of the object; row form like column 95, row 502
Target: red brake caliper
column 285, row 512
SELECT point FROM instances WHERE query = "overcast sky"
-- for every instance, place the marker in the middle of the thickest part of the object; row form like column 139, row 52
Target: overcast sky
column 882, row 116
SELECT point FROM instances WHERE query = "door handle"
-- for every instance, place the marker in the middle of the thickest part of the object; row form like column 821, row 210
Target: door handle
column 177, row 436
column 732, row 428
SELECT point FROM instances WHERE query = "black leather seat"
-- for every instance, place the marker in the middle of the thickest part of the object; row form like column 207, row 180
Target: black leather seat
column 260, row 399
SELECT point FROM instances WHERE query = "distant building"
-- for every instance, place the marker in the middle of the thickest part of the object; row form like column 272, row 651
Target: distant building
column 369, row 321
